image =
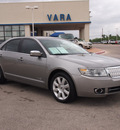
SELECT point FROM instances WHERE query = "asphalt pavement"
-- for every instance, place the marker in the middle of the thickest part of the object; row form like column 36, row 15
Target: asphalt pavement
column 110, row 49
column 24, row 107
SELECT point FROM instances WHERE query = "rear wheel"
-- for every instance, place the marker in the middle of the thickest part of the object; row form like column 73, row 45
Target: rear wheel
column 63, row 88
column 2, row 78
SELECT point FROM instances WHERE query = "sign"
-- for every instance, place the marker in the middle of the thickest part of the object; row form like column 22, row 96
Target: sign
column 61, row 17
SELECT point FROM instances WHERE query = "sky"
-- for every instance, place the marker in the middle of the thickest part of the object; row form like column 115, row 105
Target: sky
column 105, row 14
column 105, row 17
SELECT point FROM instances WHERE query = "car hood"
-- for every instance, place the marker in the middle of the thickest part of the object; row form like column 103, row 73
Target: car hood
column 92, row 60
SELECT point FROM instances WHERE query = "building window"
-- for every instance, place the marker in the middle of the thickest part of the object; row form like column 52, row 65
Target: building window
column 15, row 33
column 1, row 34
column 1, row 28
column 7, row 28
column 1, row 38
column 7, row 32
column 22, row 28
column 15, row 28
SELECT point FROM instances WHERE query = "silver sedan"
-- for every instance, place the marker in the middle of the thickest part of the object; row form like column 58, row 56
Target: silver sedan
column 60, row 66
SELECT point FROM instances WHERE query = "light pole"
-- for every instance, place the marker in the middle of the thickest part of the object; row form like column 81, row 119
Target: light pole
column 102, row 35
column 32, row 8
column 108, row 36
column 116, row 33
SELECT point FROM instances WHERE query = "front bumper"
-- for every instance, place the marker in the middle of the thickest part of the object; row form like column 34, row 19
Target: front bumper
column 87, row 86
column 88, row 46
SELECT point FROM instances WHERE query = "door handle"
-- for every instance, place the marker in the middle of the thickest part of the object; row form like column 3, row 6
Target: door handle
column 20, row 59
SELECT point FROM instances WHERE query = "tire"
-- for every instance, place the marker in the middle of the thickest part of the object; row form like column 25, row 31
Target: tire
column 62, row 88
column 81, row 45
column 2, row 78
column 88, row 47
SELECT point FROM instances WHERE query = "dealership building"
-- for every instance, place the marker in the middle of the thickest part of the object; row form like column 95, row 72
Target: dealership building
column 16, row 19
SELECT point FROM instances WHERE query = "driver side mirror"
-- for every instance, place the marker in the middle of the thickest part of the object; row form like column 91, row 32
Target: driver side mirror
column 35, row 53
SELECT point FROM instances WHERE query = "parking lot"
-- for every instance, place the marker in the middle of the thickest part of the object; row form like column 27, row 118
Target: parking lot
column 24, row 107
column 110, row 49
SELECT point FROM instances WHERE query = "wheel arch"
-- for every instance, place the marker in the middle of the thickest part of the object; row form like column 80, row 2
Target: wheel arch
column 81, row 45
column 2, row 76
column 2, row 70
column 57, row 71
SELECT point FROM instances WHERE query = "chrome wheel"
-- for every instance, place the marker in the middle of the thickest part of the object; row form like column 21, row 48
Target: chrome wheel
column 61, row 88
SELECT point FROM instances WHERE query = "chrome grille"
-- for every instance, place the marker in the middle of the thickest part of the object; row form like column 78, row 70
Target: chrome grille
column 114, row 71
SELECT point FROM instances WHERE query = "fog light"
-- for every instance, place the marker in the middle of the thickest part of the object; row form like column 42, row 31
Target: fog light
column 99, row 90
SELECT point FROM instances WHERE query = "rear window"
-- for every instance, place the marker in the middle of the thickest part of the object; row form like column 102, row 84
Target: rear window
column 66, row 36
column 12, row 45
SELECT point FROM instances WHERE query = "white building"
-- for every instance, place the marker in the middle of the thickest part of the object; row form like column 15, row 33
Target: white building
column 16, row 20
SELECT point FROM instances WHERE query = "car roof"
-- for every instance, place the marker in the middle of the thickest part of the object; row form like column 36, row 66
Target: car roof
column 36, row 38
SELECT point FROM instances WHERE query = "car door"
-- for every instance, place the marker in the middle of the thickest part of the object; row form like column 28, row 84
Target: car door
column 9, row 55
column 31, row 70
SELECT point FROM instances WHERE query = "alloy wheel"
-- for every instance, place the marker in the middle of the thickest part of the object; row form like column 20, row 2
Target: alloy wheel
column 61, row 88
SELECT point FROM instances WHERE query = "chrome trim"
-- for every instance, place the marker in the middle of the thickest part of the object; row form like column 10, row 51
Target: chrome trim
column 113, row 72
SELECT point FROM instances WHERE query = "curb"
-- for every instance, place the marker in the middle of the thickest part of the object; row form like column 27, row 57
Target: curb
column 100, row 52
column 96, row 51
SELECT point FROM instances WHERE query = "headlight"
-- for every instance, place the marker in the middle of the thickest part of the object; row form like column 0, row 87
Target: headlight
column 94, row 72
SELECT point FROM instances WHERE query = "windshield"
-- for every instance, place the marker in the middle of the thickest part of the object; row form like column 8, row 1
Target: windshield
column 61, row 47
column 66, row 36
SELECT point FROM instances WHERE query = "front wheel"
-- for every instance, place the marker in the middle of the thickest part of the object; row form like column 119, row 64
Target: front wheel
column 63, row 88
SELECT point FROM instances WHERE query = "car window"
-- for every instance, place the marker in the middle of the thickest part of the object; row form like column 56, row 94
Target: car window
column 12, row 45
column 29, row 45
column 61, row 47
column 66, row 36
